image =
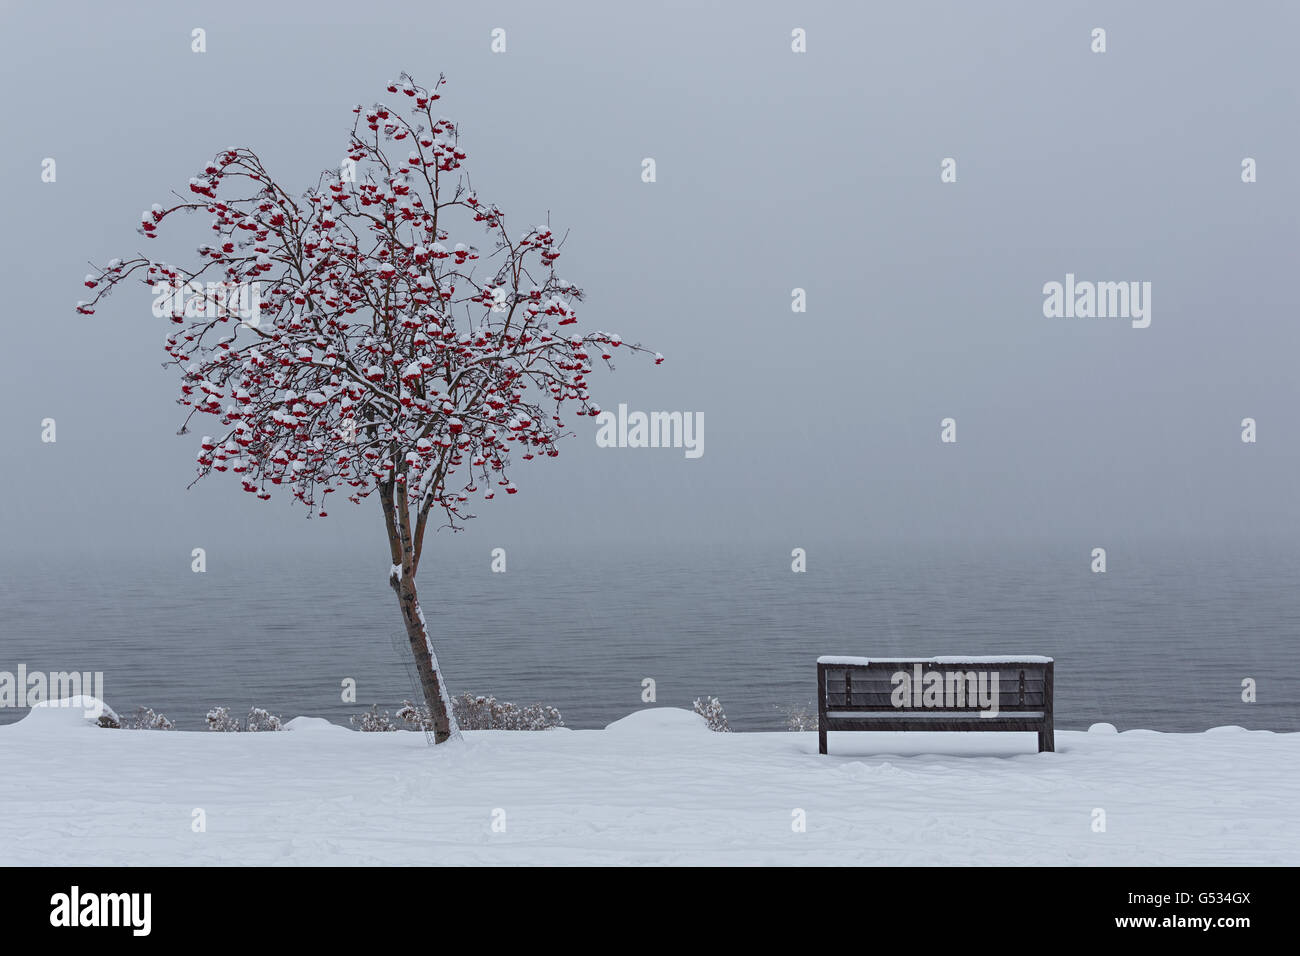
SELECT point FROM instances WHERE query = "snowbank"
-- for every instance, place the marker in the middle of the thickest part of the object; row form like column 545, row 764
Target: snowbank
column 81, row 712
column 652, row 788
column 658, row 720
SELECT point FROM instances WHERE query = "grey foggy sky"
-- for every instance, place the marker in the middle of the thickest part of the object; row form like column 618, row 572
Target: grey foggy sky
column 775, row 170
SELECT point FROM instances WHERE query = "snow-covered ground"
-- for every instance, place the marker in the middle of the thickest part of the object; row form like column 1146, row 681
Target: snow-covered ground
column 654, row 788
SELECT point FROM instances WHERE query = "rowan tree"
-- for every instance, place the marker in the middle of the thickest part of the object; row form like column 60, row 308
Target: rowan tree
column 345, row 344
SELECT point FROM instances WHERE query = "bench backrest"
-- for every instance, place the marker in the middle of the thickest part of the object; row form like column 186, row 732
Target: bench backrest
column 935, row 684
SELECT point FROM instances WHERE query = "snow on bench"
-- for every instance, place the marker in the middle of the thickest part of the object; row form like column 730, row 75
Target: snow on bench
column 991, row 693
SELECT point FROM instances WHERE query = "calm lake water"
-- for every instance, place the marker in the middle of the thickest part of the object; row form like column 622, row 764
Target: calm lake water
column 1162, row 640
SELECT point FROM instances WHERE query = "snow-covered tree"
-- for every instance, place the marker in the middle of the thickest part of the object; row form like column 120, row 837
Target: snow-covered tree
column 346, row 343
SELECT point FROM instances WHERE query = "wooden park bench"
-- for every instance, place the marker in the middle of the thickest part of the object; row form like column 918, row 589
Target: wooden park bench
column 884, row 693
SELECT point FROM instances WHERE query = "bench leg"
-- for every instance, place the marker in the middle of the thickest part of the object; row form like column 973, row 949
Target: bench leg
column 821, row 739
column 1047, row 739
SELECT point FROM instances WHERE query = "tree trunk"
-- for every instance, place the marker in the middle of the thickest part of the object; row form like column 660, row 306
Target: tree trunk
column 401, row 577
column 426, row 662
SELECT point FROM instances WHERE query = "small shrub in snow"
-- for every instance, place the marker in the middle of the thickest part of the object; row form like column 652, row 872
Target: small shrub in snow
column 372, row 721
column 415, row 716
column 258, row 719
column 800, row 717
column 108, row 719
column 479, row 712
column 145, row 719
column 219, row 719
column 710, row 708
